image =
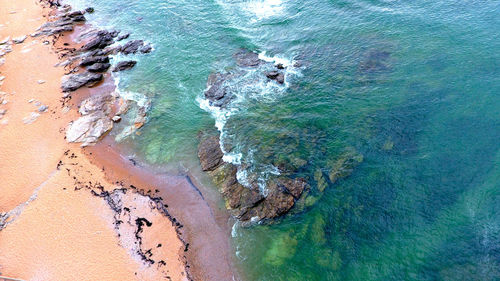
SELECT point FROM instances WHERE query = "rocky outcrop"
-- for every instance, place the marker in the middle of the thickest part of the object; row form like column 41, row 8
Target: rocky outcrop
column 99, row 67
column 95, row 121
column 246, row 58
column 72, row 82
column 247, row 203
column 135, row 46
column 66, row 21
column 217, row 92
column 102, row 39
column 277, row 76
column 124, row 65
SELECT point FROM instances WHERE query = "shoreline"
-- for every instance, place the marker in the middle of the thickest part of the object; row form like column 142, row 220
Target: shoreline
column 49, row 198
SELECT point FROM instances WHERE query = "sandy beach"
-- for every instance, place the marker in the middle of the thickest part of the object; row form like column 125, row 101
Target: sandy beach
column 70, row 212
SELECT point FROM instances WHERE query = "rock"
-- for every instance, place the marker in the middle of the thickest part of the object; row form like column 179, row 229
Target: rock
column 280, row 66
column 216, row 92
column 123, row 36
column 73, row 82
column 293, row 186
column 146, row 49
column 277, row 76
column 101, row 40
column 99, row 67
column 247, row 59
column 40, row 81
column 246, row 202
column 89, row 60
column 95, row 103
column 3, row 112
column 5, row 41
column 89, row 129
column 4, row 49
column 210, row 153
column 116, row 118
column 2, row 61
column 131, row 47
column 2, row 78
column 64, row 23
column 42, row 108
column 32, row 118
column 89, row 10
column 19, row 40
column 281, row 78
column 282, row 248
column 124, row 65
column 344, row 166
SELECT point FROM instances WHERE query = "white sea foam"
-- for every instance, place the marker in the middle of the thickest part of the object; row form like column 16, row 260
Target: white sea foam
column 263, row 9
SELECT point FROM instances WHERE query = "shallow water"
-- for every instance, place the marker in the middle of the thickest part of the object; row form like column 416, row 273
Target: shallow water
column 411, row 86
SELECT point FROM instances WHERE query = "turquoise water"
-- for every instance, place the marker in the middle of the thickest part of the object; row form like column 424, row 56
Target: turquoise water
column 411, row 86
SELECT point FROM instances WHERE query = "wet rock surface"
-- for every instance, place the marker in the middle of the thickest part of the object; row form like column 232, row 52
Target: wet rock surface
column 124, row 65
column 218, row 93
column 247, row 203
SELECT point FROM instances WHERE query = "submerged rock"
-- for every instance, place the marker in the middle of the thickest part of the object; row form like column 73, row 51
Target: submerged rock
column 344, row 166
column 72, row 82
column 246, row 202
column 247, row 58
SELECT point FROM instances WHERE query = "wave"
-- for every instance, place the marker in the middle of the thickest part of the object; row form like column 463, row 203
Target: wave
column 250, row 86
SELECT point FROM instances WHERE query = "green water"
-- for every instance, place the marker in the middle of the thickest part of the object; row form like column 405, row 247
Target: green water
column 412, row 86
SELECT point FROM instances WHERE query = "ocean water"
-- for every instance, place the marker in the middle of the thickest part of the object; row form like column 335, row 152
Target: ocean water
column 410, row 87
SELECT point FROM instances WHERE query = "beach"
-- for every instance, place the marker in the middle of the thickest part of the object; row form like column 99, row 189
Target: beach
column 69, row 211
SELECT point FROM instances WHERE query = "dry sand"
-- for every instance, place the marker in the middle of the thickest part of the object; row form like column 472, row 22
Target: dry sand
column 61, row 221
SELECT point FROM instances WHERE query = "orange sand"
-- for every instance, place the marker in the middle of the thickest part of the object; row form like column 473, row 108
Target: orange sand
column 54, row 231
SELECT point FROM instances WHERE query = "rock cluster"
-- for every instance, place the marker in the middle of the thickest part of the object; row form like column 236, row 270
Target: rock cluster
column 94, row 54
column 248, row 203
column 95, row 122
column 217, row 92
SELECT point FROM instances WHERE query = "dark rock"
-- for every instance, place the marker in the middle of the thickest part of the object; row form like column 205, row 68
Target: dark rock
column 131, row 47
column 114, row 33
column 293, row 186
column 124, row 65
column 246, row 202
column 146, row 49
column 123, row 36
column 99, row 67
column 375, row 61
column 101, row 40
column 277, row 76
column 89, row 10
column 280, row 66
column 73, row 82
column 217, row 93
column 281, row 78
column 210, row 153
column 92, row 60
column 247, row 59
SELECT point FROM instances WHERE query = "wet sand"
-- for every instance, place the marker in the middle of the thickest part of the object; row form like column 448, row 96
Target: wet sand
column 69, row 212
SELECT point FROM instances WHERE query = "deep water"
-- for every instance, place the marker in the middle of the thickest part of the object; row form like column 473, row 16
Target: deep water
column 412, row 88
